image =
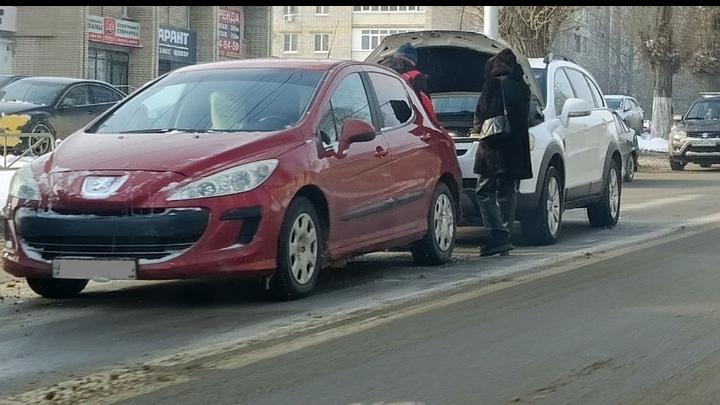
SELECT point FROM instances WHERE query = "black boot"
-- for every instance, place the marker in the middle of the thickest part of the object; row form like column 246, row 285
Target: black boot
column 499, row 244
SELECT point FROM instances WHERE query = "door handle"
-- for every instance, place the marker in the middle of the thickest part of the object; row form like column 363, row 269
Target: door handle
column 380, row 152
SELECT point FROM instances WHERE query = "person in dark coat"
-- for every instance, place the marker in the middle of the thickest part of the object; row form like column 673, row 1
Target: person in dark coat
column 404, row 62
column 502, row 163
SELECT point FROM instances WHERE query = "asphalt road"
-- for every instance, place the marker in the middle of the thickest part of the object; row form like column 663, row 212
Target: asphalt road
column 637, row 318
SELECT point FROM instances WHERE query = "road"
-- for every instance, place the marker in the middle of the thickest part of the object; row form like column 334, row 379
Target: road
column 600, row 317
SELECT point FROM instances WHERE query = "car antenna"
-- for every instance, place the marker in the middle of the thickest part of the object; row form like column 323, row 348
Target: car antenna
column 333, row 39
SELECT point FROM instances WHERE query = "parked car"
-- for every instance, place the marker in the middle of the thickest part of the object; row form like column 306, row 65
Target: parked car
column 7, row 79
column 55, row 105
column 629, row 109
column 695, row 137
column 629, row 147
column 259, row 168
column 575, row 150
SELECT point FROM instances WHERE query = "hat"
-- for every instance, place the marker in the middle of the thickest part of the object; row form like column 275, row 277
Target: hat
column 503, row 63
column 407, row 51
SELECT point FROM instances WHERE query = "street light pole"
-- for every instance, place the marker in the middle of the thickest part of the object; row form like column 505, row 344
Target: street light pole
column 490, row 22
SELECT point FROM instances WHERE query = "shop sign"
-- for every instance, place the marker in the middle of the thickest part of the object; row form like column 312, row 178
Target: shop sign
column 177, row 45
column 230, row 29
column 111, row 31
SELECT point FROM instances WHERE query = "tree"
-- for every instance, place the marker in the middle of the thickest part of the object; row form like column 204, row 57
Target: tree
column 531, row 30
column 705, row 63
column 668, row 39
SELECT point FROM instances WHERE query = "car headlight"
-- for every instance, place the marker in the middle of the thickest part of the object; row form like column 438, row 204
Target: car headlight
column 231, row 181
column 24, row 186
column 678, row 134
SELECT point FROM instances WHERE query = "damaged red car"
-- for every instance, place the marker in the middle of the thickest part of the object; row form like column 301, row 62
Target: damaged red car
column 270, row 169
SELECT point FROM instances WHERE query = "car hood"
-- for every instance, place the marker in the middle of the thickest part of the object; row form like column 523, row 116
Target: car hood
column 12, row 107
column 453, row 39
column 184, row 153
column 699, row 125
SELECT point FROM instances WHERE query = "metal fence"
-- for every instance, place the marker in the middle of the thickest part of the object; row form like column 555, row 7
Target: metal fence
column 37, row 144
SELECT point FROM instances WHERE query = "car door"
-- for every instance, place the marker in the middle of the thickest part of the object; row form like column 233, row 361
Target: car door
column 574, row 136
column 103, row 97
column 358, row 183
column 599, row 124
column 73, row 111
column 414, row 166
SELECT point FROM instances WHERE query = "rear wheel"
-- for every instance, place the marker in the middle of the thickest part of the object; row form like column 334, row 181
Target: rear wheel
column 677, row 166
column 437, row 245
column 298, row 252
column 41, row 145
column 542, row 226
column 606, row 212
column 630, row 168
column 56, row 287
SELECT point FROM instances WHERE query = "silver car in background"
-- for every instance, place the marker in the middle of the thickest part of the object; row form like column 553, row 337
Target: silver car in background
column 629, row 109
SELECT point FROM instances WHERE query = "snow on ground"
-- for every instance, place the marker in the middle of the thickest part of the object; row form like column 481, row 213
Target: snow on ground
column 647, row 142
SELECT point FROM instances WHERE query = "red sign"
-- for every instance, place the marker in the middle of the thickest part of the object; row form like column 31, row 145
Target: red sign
column 230, row 31
column 111, row 31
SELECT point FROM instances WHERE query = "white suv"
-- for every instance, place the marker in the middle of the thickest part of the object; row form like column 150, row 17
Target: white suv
column 573, row 138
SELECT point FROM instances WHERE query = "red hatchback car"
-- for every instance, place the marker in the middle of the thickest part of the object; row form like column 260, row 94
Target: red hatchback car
column 264, row 168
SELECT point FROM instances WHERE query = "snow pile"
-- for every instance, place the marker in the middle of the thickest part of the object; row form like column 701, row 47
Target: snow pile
column 648, row 143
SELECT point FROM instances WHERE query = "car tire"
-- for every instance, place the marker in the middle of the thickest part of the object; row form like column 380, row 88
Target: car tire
column 542, row 226
column 677, row 166
column 299, row 246
column 630, row 168
column 606, row 212
column 47, row 144
column 436, row 247
column 56, row 287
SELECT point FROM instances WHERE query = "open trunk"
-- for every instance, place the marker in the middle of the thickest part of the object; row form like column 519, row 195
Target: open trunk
column 454, row 62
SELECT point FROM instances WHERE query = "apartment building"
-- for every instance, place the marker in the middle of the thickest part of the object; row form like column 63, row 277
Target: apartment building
column 130, row 45
column 352, row 32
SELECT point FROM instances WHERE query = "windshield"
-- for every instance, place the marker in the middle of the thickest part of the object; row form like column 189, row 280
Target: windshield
column 455, row 104
column 223, row 100
column 32, row 91
column 540, row 75
column 704, row 110
column 614, row 103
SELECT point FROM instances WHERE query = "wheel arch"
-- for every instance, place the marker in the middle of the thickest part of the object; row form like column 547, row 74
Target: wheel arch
column 449, row 180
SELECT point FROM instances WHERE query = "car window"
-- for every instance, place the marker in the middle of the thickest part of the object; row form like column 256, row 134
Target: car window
column 597, row 97
column 219, row 100
column 563, row 90
column 580, row 86
column 614, row 103
column 103, row 95
column 350, row 100
column 328, row 128
column 76, row 96
column 393, row 100
column 31, row 91
column 619, row 124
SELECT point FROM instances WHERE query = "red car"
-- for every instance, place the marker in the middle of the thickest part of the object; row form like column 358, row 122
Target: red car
column 260, row 168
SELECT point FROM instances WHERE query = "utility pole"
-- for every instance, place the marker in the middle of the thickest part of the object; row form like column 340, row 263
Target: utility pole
column 490, row 22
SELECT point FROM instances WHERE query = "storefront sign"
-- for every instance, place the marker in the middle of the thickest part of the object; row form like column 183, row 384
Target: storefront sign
column 230, row 31
column 177, row 45
column 8, row 18
column 111, row 31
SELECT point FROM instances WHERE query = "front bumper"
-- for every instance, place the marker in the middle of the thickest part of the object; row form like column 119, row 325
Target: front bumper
column 687, row 152
column 208, row 238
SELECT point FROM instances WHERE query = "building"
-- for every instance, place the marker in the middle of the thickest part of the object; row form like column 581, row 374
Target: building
column 8, row 19
column 130, row 45
column 352, row 32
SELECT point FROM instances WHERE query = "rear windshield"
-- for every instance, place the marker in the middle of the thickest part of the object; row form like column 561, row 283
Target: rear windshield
column 614, row 103
column 31, row 91
column 455, row 104
column 223, row 100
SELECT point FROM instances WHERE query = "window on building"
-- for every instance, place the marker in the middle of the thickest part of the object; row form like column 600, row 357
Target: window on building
column 370, row 39
column 290, row 43
column 321, row 10
column 322, row 43
column 290, row 10
column 386, row 9
column 392, row 98
column 109, row 66
column 125, row 12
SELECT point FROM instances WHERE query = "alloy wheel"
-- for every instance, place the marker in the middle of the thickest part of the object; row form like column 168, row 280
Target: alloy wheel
column 303, row 248
column 444, row 218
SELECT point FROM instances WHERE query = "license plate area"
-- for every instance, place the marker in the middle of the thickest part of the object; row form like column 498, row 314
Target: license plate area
column 94, row 268
column 704, row 142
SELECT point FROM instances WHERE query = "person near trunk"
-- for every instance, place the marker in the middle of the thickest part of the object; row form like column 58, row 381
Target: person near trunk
column 501, row 163
column 404, row 62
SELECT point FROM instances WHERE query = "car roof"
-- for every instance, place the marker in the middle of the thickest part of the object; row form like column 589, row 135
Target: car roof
column 267, row 63
column 62, row 80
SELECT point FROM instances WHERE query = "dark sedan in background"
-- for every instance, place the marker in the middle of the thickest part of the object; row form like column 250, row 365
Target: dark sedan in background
column 55, row 105
column 7, row 79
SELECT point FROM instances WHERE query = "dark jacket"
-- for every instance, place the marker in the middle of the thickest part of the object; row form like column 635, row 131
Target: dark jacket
column 512, row 155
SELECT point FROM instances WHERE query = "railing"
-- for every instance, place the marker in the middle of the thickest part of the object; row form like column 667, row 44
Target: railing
column 38, row 144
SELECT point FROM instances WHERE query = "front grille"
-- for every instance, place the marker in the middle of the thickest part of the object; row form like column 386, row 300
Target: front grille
column 153, row 235
column 710, row 135
column 703, row 149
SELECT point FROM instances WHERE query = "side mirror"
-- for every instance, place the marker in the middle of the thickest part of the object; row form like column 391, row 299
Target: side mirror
column 574, row 107
column 677, row 118
column 354, row 131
